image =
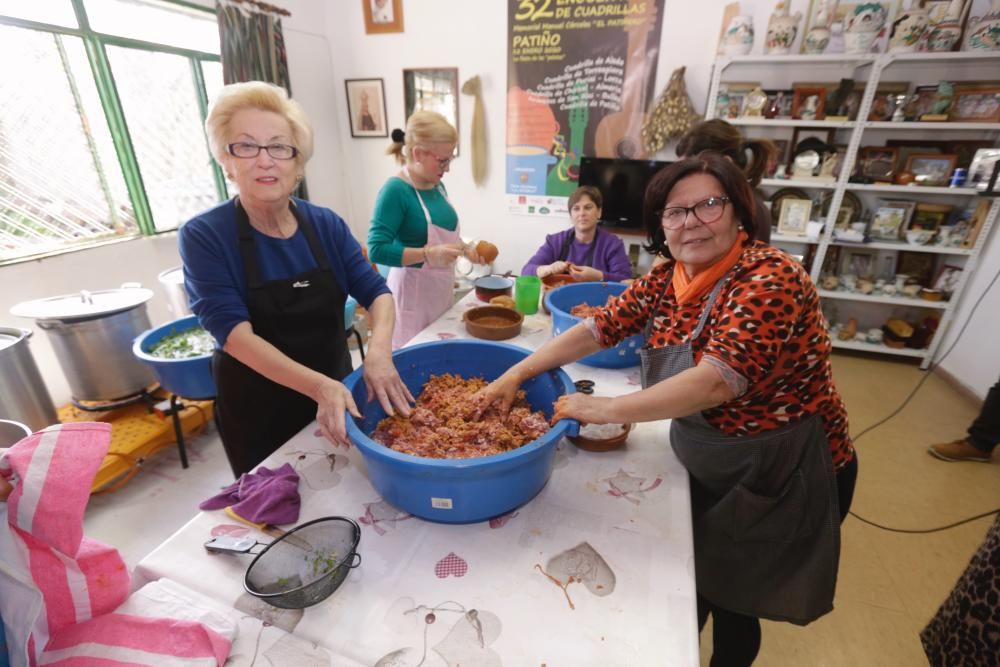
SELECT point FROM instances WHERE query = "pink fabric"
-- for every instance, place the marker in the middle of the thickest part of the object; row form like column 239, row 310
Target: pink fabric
column 82, row 581
column 167, row 636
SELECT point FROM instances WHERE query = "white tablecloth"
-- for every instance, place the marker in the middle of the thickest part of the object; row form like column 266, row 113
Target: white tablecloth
column 620, row 521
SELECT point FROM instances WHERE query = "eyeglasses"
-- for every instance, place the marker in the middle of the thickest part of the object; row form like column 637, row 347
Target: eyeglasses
column 245, row 149
column 706, row 211
column 442, row 162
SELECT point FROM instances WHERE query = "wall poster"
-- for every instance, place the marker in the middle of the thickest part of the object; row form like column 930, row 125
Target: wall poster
column 580, row 76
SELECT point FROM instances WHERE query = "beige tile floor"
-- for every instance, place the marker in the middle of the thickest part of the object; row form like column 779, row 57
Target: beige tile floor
column 890, row 584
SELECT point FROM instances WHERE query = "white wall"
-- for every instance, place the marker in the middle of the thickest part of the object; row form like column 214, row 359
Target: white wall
column 326, row 44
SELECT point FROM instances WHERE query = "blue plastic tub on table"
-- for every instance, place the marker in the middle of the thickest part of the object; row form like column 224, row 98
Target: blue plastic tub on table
column 460, row 490
column 562, row 299
column 191, row 377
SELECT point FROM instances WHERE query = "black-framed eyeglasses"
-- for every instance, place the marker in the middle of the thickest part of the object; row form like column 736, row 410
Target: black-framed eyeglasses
column 706, row 211
column 443, row 162
column 246, row 149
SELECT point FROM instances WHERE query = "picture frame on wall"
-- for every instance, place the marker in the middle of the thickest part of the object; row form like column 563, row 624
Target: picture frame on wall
column 366, row 107
column 432, row 89
column 878, row 163
column 919, row 266
column 931, row 169
column 887, row 222
column 382, row 16
column 930, row 217
column 860, row 262
column 793, row 218
column 981, row 168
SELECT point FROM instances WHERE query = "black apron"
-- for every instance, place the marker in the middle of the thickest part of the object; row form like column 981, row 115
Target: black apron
column 764, row 507
column 588, row 259
column 302, row 316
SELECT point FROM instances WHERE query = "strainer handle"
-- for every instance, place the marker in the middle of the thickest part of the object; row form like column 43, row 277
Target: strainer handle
column 356, row 560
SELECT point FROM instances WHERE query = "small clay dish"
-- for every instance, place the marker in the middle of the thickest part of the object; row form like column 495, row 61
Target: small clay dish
column 931, row 294
column 488, row 287
column 493, row 322
column 591, row 444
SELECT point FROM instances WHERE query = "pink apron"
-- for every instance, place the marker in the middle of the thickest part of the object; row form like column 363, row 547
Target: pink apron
column 422, row 294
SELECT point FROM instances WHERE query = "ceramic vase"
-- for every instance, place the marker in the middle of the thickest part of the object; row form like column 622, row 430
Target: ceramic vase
column 781, row 30
column 983, row 32
column 908, row 29
column 944, row 36
column 817, row 39
column 738, row 39
column 857, row 43
column 867, row 17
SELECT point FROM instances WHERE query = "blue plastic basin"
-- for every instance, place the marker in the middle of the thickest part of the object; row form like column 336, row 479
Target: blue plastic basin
column 460, row 490
column 562, row 299
column 191, row 377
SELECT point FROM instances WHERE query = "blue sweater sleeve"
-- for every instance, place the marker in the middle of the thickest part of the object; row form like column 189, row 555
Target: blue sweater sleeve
column 548, row 253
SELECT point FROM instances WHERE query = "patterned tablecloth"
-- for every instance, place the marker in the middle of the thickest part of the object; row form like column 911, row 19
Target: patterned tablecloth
column 597, row 569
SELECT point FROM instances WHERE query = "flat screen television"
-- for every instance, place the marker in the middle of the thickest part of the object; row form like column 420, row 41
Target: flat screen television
column 622, row 184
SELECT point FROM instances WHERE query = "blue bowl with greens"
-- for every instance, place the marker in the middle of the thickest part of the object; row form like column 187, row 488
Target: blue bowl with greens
column 180, row 354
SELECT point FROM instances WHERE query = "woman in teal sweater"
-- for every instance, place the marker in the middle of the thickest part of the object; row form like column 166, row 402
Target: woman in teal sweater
column 414, row 227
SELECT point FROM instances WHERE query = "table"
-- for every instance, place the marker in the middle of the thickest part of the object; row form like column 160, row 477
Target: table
column 479, row 594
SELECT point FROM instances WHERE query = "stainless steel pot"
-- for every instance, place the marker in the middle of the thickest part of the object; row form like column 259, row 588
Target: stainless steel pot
column 96, row 354
column 12, row 432
column 91, row 334
column 23, row 395
column 173, row 284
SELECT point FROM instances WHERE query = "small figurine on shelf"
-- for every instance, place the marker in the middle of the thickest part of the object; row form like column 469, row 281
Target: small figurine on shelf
column 836, row 44
column 781, row 30
column 899, row 115
column 836, row 101
column 774, row 109
column 942, row 102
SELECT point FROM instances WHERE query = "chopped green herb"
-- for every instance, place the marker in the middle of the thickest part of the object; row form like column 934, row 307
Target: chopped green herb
column 193, row 342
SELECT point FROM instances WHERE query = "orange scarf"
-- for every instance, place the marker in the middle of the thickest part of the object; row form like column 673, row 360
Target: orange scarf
column 690, row 289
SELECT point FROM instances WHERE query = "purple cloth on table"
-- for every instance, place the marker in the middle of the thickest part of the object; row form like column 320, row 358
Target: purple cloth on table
column 264, row 496
column 609, row 255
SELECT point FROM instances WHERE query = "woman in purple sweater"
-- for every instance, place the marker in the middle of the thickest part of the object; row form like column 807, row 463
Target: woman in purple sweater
column 584, row 252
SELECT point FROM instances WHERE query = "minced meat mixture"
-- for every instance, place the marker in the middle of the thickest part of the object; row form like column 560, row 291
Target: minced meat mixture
column 442, row 425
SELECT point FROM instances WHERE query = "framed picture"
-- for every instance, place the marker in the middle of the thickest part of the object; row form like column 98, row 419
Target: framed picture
column 947, row 279
column 793, row 218
column 917, row 265
column 800, row 134
column 878, row 162
column 808, row 103
column 432, row 89
column 383, row 15
column 887, row 222
column 931, row 169
column 858, row 262
column 366, row 107
column 884, row 102
column 930, row 216
column 981, row 167
column 736, row 93
column 976, row 104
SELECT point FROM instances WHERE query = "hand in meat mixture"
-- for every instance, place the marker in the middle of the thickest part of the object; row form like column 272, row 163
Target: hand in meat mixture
column 333, row 402
column 383, row 381
column 585, row 409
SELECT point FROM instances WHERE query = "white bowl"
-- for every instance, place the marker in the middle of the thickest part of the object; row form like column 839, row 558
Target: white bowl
column 919, row 236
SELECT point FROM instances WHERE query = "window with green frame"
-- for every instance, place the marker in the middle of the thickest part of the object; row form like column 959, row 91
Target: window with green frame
column 102, row 122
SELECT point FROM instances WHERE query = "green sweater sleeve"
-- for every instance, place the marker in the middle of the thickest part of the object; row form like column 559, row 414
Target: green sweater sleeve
column 395, row 224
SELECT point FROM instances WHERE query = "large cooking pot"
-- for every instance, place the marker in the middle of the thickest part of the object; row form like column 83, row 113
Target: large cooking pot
column 173, row 284
column 23, row 395
column 460, row 490
column 91, row 334
column 11, row 433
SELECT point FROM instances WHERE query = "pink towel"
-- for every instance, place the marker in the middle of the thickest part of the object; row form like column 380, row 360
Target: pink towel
column 80, row 581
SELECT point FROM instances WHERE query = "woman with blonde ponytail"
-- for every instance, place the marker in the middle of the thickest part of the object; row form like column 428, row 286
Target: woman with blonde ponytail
column 414, row 228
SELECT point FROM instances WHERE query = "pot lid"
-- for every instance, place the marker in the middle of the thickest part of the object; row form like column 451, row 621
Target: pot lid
column 83, row 304
column 6, row 339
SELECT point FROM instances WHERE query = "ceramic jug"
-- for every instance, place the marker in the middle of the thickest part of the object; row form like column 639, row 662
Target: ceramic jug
column 983, row 32
column 781, row 30
column 738, row 39
column 946, row 28
column 863, row 26
column 818, row 37
column 909, row 28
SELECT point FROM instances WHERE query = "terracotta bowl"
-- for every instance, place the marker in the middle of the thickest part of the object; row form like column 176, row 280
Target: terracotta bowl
column 488, row 287
column 601, row 445
column 493, row 322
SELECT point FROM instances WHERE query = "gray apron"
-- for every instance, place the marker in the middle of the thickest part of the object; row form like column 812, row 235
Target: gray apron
column 764, row 507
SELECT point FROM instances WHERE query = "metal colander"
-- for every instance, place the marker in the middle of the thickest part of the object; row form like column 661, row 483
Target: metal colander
column 306, row 565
